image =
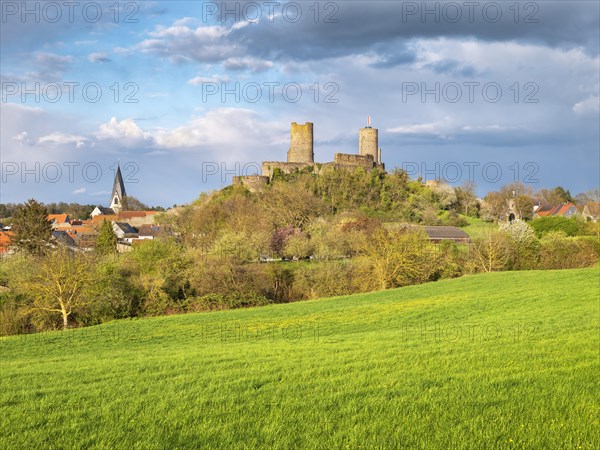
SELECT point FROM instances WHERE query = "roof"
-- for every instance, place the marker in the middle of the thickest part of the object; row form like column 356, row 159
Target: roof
column 118, row 185
column 58, row 218
column 445, row 232
column 154, row 230
column 133, row 214
column 64, row 238
column 5, row 237
column 558, row 210
column 105, row 211
column 96, row 220
column 126, row 228
column 82, row 229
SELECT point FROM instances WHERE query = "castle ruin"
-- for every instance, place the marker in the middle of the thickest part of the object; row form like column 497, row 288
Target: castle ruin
column 301, row 156
column 301, row 141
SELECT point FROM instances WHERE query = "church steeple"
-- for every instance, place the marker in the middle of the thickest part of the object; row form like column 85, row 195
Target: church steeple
column 118, row 191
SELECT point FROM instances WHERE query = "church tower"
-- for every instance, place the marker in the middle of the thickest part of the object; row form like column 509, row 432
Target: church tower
column 118, row 192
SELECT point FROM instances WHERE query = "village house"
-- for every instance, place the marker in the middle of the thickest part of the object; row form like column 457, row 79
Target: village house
column 565, row 210
column 437, row 234
column 59, row 221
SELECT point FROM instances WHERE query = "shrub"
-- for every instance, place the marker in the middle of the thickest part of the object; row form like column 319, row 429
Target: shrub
column 325, row 279
column 523, row 246
column 571, row 227
column 561, row 252
column 215, row 302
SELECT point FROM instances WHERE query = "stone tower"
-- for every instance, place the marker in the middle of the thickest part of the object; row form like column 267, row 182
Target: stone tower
column 118, row 192
column 368, row 142
column 301, row 141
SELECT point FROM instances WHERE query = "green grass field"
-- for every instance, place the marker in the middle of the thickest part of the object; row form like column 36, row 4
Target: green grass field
column 495, row 361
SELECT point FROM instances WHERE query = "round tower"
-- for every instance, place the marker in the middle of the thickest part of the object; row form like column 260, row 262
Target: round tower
column 368, row 143
column 301, row 144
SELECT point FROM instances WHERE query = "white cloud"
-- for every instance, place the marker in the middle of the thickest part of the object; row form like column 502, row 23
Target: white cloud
column 80, row 191
column 63, row 139
column 196, row 81
column 230, row 129
column 24, row 139
column 588, row 107
column 443, row 128
column 181, row 43
column 126, row 132
column 98, row 57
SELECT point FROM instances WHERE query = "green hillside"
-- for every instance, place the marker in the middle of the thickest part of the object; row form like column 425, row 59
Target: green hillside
column 502, row 360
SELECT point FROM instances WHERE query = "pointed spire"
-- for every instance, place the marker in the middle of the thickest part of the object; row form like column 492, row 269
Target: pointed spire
column 118, row 190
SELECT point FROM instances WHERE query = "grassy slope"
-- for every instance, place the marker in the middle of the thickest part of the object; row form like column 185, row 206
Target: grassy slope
column 478, row 228
column 505, row 360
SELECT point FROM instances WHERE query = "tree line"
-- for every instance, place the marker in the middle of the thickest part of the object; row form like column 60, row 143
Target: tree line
column 303, row 236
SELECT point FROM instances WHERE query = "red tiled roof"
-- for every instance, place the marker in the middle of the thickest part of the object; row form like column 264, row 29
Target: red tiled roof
column 558, row 210
column 5, row 239
column 58, row 218
column 96, row 220
column 81, row 230
column 132, row 214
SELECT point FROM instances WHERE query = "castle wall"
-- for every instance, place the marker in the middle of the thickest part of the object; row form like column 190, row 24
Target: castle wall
column 268, row 167
column 354, row 160
column 301, row 144
column 368, row 143
column 301, row 157
column 253, row 183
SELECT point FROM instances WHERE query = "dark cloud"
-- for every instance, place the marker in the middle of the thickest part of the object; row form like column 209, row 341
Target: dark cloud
column 401, row 56
column 362, row 25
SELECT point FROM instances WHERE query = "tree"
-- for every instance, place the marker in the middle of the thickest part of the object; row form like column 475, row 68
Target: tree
column 106, row 242
column 56, row 283
column 556, row 196
column 467, row 203
column 495, row 206
column 582, row 199
column 522, row 244
column 396, row 258
column 130, row 203
column 490, row 253
column 31, row 228
column 523, row 206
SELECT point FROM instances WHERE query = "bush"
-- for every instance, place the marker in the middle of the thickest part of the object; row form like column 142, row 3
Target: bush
column 523, row 246
column 325, row 279
column 561, row 252
column 571, row 227
column 216, row 302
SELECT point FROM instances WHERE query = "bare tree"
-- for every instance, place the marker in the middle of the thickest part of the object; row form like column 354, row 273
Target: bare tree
column 56, row 283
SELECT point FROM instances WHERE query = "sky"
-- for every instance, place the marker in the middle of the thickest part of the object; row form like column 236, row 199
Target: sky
column 185, row 95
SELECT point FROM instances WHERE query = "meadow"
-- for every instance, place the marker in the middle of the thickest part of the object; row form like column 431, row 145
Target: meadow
column 504, row 360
